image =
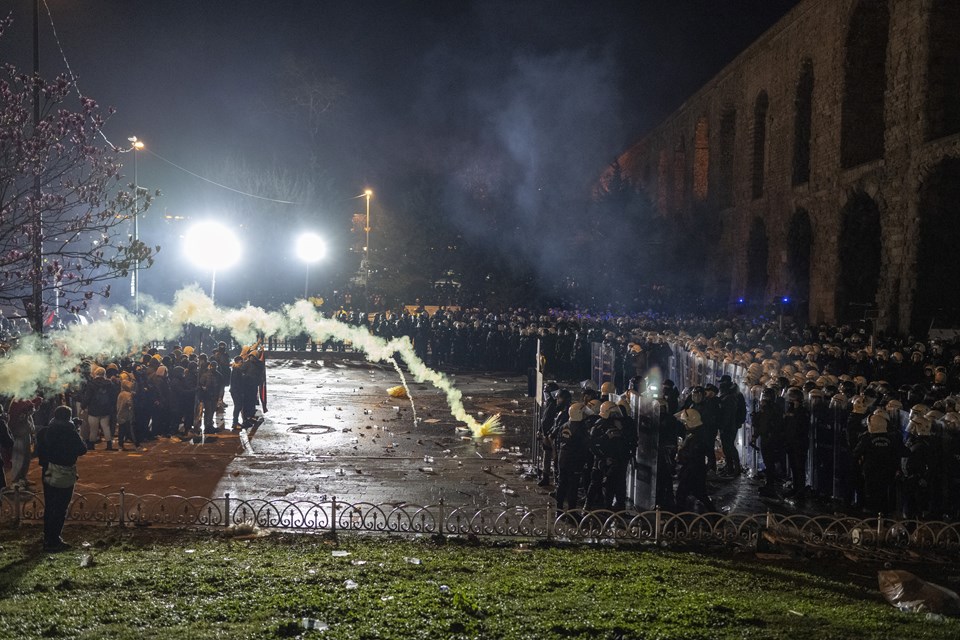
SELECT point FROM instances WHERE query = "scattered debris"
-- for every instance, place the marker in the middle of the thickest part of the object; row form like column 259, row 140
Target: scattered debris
column 246, row 531
column 313, row 623
column 409, row 560
column 339, row 554
column 773, row 556
column 86, row 561
column 907, row 592
column 350, row 584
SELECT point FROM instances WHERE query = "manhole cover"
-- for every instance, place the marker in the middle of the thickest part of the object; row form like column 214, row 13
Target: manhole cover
column 311, row 429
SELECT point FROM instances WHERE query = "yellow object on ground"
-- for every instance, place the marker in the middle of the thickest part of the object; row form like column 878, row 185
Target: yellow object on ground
column 397, row 392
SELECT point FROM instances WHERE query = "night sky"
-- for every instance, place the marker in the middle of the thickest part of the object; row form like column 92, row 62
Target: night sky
column 531, row 99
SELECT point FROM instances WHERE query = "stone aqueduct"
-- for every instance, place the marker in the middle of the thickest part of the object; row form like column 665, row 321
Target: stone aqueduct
column 825, row 162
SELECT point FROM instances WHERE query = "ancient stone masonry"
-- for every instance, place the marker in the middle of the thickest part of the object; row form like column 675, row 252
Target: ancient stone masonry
column 829, row 151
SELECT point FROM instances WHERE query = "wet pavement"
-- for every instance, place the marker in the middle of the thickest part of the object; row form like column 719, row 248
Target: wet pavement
column 333, row 430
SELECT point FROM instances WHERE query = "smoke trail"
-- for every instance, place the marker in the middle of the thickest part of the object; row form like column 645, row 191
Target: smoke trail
column 50, row 365
column 403, row 381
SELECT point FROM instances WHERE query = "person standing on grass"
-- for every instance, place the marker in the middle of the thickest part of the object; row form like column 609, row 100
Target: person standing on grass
column 58, row 447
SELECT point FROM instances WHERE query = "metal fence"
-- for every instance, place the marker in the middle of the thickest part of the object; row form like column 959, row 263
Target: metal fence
column 543, row 522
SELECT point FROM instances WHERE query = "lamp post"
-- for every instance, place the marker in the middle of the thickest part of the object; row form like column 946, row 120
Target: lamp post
column 136, row 145
column 211, row 245
column 366, row 249
column 310, row 248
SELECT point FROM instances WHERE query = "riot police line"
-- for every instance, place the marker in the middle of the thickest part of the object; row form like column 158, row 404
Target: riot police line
column 856, row 447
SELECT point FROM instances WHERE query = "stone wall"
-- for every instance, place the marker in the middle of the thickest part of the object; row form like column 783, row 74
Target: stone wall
column 883, row 114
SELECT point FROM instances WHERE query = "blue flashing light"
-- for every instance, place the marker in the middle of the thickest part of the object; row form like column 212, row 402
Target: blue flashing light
column 739, row 300
column 786, row 300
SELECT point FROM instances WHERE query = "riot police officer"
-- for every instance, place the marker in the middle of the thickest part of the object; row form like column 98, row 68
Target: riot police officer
column 571, row 443
column 768, row 428
column 920, row 471
column 692, row 461
column 609, row 443
column 796, row 432
column 878, row 454
column 551, row 409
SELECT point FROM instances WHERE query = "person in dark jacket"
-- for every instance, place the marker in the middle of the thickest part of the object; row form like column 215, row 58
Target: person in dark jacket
column 571, row 441
column 692, row 461
column 612, row 443
column 768, row 428
column 100, row 401
column 878, row 453
column 58, row 447
column 252, row 373
column 796, row 439
column 549, row 417
column 236, row 389
column 733, row 413
column 920, row 467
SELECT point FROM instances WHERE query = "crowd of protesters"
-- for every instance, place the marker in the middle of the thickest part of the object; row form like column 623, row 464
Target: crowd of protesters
column 131, row 401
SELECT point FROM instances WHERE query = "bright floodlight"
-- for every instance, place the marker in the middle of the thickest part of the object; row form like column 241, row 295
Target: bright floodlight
column 311, row 247
column 212, row 246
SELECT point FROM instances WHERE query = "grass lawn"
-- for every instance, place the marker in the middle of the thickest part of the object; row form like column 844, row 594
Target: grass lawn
column 177, row 584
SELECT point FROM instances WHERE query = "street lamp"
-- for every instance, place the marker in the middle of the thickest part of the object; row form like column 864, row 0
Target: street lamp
column 310, row 248
column 367, row 193
column 211, row 245
column 135, row 145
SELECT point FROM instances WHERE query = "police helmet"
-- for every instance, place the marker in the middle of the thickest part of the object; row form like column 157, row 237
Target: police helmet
column 920, row 426
column 576, row 412
column 918, row 410
column 878, row 422
column 690, row 418
column 607, row 408
column 859, row 405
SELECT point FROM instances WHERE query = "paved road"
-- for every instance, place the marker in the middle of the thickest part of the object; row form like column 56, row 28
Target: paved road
column 332, row 429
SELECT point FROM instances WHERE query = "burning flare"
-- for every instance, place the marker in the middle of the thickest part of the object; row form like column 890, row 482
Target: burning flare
column 397, row 392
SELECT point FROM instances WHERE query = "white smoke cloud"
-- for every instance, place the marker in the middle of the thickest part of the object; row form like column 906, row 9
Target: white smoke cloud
column 49, row 365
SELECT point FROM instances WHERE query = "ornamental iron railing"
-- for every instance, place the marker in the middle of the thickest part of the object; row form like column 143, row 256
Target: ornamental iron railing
column 538, row 522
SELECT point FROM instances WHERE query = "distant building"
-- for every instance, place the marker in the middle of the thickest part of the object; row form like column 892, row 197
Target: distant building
column 826, row 159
